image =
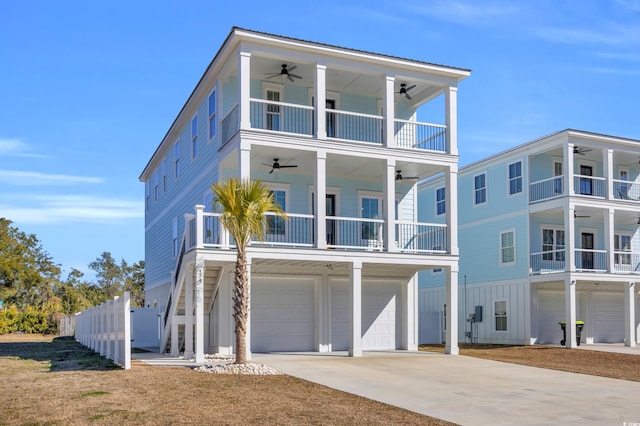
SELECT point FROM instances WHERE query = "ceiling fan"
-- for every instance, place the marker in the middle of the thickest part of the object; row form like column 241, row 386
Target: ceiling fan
column 581, row 150
column 276, row 165
column 285, row 72
column 404, row 90
column 400, row 177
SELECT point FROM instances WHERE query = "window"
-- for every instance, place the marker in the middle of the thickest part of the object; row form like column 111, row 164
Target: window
column 275, row 224
column 441, row 205
column 507, row 247
column 515, row 178
column 156, row 190
column 176, row 159
column 624, row 186
column 174, row 236
column 480, row 188
column 164, row 174
column 622, row 246
column 272, row 113
column 370, row 209
column 501, row 315
column 557, row 173
column 212, row 115
column 194, row 137
column 553, row 244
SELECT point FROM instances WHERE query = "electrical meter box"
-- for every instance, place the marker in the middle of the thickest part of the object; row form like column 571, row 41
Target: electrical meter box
column 478, row 314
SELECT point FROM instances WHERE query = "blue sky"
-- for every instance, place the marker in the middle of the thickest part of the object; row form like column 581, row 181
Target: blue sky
column 88, row 89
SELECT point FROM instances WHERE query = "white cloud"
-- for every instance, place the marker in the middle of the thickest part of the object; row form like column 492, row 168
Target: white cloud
column 16, row 148
column 52, row 209
column 21, row 178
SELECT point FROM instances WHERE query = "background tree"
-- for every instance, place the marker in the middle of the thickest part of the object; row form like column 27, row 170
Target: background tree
column 110, row 275
column 134, row 283
column 244, row 204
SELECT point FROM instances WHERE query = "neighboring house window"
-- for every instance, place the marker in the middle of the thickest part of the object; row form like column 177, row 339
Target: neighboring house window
column 212, row 115
column 273, row 118
column 275, row 224
column 176, row 159
column 156, row 190
column 174, row 236
column 194, row 137
column 501, row 315
column 553, row 244
column 622, row 246
column 515, row 178
column 441, row 204
column 507, row 247
column 480, row 188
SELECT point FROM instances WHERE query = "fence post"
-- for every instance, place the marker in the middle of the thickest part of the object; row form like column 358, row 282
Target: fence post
column 127, row 330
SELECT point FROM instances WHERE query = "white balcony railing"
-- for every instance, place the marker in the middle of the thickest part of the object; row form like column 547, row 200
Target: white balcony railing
column 355, row 126
column 625, row 190
column 591, row 260
column 546, row 189
column 421, row 237
column 589, row 185
column 413, row 134
column 281, row 117
column 548, row 261
column 355, row 233
column 626, row 262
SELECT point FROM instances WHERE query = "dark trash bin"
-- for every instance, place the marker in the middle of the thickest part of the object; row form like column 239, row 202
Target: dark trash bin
column 579, row 327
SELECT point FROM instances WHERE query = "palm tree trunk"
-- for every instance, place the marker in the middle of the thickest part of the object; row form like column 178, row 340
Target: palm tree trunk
column 241, row 306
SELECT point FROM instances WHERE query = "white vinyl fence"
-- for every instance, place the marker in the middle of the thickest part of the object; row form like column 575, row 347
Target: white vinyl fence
column 106, row 329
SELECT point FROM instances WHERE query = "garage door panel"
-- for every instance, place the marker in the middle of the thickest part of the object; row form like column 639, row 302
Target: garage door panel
column 282, row 315
column 550, row 312
column 608, row 317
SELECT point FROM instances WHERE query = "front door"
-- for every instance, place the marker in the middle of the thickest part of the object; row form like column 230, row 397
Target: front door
column 586, row 183
column 331, row 118
column 331, row 224
column 587, row 253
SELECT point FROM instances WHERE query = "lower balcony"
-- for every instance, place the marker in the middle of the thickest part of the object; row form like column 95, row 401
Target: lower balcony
column 585, row 261
column 342, row 233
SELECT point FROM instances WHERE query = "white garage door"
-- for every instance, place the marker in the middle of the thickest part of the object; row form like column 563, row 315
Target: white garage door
column 608, row 317
column 282, row 315
column 550, row 312
column 381, row 316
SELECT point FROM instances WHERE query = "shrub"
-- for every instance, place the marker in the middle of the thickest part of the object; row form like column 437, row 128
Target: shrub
column 8, row 319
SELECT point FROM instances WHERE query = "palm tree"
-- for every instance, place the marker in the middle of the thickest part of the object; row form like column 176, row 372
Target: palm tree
column 244, row 204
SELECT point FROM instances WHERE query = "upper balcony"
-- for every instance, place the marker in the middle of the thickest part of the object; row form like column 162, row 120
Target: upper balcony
column 409, row 106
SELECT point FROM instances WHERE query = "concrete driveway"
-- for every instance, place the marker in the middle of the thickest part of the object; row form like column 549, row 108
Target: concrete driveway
column 467, row 390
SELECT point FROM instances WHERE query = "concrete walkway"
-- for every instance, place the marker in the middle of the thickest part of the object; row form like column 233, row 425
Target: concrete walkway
column 469, row 391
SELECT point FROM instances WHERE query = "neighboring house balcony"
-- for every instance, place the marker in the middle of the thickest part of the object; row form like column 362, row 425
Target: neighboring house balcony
column 594, row 239
column 586, row 171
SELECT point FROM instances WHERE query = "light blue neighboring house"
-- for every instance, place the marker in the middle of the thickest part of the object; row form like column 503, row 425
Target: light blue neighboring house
column 548, row 233
column 341, row 137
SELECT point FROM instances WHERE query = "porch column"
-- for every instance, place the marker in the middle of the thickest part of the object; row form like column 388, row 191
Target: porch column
column 322, row 295
column 451, row 119
column 355, row 297
column 389, row 205
column 244, row 162
column 199, row 355
column 244, row 89
column 609, row 245
column 451, row 207
column 451, row 297
column 388, row 110
column 567, row 170
column 188, row 312
column 320, row 94
column 569, row 238
column 607, row 163
column 570, row 312
column 225, row 324
column 321, row 199
column 199, row 226
column 410, row 313
column 630, row 315
column 174, row 351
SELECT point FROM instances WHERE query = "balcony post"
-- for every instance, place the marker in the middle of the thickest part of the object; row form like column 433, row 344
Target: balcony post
column 355, row 293
column 570, row 309
column 451, row 298
column 567, row 166
column 388, row 109
column 199, row 226
column 609, row 246
column 629, row 315
column 199, row 352
column 451, row 207
column 608, row 173
column 244, row 89
column 569, row 239
column 321, row 200
column 451, row 119
column 188, row 312
column 321, row 101
column 389, row 213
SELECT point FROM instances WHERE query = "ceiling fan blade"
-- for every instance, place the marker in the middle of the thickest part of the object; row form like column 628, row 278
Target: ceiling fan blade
column 288, row 167
column 411, row 87
column 268, row 165
column 273, row 75
column 294, row 75
column 292, row 68
column 271, row 171
column 290, row 78
column 406, row 95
